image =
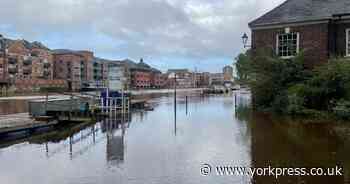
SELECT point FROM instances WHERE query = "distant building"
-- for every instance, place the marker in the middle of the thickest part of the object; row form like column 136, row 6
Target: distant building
column 202, row 79
column 99, row 73
column 144, row 76
column 118, row 76
column 216, row 79
column 75, row 67
column 159, row 80
column 184, row 78
column 228, row 73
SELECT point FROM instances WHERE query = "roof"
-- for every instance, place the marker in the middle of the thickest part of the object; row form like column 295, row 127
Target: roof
column 292, row 11
column 178, row 71
column 28, row 45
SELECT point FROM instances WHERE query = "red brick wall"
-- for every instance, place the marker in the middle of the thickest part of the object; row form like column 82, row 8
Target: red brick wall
column 313, row 41
column 61, row 69
column 141, row 79
column 158, row 80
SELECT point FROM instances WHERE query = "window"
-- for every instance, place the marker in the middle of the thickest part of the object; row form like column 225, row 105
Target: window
column 347, row 42
column 287, row 45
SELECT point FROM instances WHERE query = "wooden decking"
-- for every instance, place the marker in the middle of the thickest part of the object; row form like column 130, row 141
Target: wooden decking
column 21, row 122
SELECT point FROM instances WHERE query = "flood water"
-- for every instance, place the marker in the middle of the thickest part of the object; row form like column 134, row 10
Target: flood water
column 151, row 148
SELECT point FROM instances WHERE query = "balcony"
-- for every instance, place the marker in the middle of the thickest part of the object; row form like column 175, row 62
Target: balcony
column 27, row 71
column 27, row 62
column 12, row 60
column 47, row 65
column 13, row 70
column 47, row 73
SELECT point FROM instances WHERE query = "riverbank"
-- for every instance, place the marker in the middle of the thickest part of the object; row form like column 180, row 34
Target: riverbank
column 133, row 92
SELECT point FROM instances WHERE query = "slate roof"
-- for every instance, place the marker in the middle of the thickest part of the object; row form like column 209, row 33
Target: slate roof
column 292, row 11
column 28, row 45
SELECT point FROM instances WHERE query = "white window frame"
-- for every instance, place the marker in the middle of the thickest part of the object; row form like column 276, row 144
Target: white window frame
column 347, row 33
column 277, row 45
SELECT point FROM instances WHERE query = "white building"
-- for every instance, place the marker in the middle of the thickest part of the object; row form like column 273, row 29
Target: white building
column 118, row 79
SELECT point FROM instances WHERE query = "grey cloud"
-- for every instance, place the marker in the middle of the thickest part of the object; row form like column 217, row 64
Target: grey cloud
column 155, row 28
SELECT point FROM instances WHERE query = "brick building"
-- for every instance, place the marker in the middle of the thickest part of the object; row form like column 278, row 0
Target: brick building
column 144, row 76
column 159, row 80
column 202, row 79
column 74, row 66
column 320, row 29
column 184, row 78
column 3, row 63
column 216, row 79
column 23, row 62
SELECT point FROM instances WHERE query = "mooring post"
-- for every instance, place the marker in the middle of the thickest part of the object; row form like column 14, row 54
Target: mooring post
column 186, row 105
column 235, row 100
column 175, row 125
column 71, row 107
column 46, row 101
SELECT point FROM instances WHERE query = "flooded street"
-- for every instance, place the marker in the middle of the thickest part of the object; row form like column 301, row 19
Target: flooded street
column 158, row 148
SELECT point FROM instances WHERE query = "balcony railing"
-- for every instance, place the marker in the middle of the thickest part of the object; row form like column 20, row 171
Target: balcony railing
column 47, row 65
column 13, row 70
column 27, row 62
column 12, row 60
column 47, row 73
column 27, row 71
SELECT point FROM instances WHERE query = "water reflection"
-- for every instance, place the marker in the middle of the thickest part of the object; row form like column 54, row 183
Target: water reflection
column 283, row 143
column 115, row 129
column 141, row 147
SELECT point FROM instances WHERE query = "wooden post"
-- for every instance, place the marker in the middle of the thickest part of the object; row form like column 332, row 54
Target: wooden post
column 46, row 102
column 186, row 105
column 235, row 100
column 71, row 107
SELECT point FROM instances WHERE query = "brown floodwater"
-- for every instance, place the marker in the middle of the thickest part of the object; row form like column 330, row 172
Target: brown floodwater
column 153, row 148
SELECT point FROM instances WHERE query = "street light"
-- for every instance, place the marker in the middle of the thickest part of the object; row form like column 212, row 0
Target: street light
column 245, row 40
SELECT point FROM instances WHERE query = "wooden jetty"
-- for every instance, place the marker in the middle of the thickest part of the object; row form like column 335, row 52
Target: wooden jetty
column 49, row 112
column 23, row 122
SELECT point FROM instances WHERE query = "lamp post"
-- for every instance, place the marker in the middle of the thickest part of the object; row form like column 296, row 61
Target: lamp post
column 245, row 40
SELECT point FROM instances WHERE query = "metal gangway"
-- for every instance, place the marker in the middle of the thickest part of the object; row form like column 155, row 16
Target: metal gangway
column 114, row 105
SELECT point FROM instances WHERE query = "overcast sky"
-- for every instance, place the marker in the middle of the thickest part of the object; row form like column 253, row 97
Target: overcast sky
column 202, row 34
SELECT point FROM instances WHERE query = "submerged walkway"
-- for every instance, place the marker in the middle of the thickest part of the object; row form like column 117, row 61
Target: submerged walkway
column 21, row 121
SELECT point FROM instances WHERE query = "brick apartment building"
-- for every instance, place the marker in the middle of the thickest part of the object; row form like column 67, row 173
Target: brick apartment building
column 184, row 78
column 159, row 80
column 202, row 79
column 319, row 28
column 144, row 76
column 26, row 66
column 141, row 78
column 74, row 66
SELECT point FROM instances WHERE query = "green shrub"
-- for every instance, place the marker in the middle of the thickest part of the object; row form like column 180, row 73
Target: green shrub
column 286, row 86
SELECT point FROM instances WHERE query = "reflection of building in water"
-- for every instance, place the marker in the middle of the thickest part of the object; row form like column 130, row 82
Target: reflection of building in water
column 115, row 129
column 282, row 143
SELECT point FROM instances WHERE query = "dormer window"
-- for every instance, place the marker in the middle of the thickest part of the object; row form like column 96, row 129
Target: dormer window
column 287, row 45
